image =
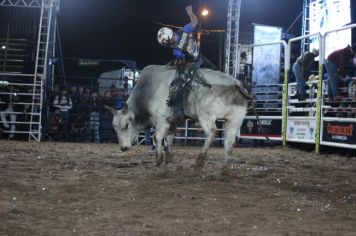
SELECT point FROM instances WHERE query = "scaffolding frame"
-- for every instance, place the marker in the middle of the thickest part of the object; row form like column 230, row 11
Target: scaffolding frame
column 232, row 55
column 21, row 3
column 304, row 44
column 45, row 50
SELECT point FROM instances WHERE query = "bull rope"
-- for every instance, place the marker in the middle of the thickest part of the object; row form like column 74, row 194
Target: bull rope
column 186, row 82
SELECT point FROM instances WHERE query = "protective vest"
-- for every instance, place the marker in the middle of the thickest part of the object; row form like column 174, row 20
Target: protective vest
column 187, row 43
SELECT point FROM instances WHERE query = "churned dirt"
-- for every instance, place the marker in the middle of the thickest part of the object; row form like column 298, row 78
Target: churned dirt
column 90, row 189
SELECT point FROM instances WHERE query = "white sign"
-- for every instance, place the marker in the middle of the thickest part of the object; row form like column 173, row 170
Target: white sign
column 301, row 129
column 266, row 62
column 266, row 59
column 88, row 62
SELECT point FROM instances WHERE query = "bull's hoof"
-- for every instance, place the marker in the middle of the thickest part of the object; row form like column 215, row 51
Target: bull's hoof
column 168, row 157
column 226, row 170
column 159, row 159
column 200, row 162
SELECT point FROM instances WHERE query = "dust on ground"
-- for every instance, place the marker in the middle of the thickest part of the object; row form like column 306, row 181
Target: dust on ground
column 95, row 189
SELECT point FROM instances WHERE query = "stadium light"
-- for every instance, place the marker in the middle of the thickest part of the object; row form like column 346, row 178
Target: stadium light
column 204, row 12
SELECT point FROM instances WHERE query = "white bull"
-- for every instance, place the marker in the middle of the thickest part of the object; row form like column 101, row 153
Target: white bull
column 147, row 107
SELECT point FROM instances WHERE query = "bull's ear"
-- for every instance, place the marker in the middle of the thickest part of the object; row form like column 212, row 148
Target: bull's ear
column 125, row 109
column 112, row 110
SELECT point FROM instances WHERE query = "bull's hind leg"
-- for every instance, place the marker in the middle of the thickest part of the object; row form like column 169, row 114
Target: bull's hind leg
column 209, row 129
column 232, row 126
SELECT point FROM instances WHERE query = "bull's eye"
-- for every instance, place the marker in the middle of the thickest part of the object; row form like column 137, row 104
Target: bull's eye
column 126, row 127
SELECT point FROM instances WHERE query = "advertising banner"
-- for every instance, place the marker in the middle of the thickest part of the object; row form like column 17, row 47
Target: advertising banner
column 301, row 129
column 271, row 127
column 339, row 132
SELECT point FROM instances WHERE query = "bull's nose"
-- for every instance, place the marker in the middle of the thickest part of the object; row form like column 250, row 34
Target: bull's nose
column 124, row 149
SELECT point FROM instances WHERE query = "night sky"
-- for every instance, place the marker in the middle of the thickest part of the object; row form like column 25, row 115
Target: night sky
column 124, row 29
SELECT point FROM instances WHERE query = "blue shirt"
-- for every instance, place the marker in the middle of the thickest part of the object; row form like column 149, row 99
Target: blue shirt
column 177, row 52
column 119, row 103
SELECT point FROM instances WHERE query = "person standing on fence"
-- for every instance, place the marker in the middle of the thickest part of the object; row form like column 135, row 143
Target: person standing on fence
column 63, row 103
column 336, row 69
column 301, row 70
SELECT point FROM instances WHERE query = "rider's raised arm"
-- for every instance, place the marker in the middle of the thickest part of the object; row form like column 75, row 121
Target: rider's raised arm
column 193, row 17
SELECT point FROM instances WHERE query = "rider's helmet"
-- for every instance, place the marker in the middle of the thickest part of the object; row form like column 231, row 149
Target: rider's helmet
column 164, row 36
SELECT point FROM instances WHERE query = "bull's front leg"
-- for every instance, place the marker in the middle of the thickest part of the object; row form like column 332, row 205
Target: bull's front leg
column 168, row 157
column 160, row 133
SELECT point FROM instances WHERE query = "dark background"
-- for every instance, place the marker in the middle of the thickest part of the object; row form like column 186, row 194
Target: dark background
column 124, row 29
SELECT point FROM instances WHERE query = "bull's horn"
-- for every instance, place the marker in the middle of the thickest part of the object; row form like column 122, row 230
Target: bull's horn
column 125, row 109
column 112, row 110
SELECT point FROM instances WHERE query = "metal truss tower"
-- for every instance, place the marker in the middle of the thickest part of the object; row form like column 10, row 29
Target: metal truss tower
column 45, row 49
column 21, row 3
column 304, row 47
column 232, row 38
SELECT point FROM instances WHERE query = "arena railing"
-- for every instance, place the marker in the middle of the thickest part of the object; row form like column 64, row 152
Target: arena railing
column 300, row 115
column 325, row 127
column 18, row 113
column 337, row 120
column 190, row 132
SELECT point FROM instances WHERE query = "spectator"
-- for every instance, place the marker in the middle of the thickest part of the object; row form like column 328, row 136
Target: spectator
column 54, row 122
column 106, row 117
column 73, row 95
column 63, row 103
column 81, row 128
column 79, row 92
column 79, row 106
column 301, row 70
column 126, row 83
column 336, row 69
column 85, row 97
column 94, row 121
column 10, row 108
column 118, row 96
column 55, row 92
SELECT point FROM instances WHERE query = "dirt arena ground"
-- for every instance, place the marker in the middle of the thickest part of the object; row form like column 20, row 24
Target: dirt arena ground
column 89, row 189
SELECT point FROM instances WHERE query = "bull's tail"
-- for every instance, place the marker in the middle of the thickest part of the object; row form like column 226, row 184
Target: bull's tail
column 244, row 91
column 247, row 96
